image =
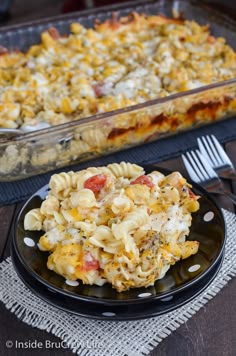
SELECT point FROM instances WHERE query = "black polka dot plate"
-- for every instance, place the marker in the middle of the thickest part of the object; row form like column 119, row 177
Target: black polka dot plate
column 207, row 227
column 115, row 312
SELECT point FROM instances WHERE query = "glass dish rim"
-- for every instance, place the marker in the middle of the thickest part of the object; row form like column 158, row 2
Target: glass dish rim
column 112, row 7
column 99, row 117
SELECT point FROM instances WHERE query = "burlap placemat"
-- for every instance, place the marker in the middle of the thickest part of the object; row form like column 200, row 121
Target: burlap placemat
column 104, row 338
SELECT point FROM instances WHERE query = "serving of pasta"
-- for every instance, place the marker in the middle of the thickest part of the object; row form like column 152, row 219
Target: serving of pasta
column 115, row 224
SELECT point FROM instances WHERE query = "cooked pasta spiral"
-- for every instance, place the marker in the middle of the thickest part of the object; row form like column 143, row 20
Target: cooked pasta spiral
column 115, row 224
column 126, row 170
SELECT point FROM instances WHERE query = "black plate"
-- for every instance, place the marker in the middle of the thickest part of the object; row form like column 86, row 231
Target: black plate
column 115, row 313
column 207, row 227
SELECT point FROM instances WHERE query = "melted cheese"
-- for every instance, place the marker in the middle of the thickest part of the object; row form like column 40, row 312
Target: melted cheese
column 127, row 233
column 110, row 67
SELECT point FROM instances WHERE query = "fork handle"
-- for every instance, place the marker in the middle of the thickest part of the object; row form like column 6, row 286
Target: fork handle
column 228, row 176
column 231, row 196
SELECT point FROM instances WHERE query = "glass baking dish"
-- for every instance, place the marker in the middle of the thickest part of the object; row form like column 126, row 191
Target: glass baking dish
column 44, row 150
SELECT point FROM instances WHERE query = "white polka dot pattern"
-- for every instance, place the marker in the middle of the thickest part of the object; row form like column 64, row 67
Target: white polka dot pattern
column 29, row 242
column 208, row 216
column 143, row 295
column 194, row 268
column 108, row 314
column 72, row 283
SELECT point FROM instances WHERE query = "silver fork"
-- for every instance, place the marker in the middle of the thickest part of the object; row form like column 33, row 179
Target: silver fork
column 215, row 154
column 202, row 173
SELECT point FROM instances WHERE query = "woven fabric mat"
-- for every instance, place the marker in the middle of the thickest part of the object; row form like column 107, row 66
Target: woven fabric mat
column 160, row 150
column 104, row 338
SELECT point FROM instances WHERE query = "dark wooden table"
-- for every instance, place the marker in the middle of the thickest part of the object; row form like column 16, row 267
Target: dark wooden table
column 210, row 332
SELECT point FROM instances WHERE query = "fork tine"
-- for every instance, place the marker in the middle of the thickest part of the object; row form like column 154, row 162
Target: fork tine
column 204, row 163
column 221, row 152
column 192, row 173
column 199, row 167
column 206, row 150
column 213, row 151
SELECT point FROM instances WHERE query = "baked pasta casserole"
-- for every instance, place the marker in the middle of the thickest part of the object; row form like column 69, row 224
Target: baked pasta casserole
column 133, row 64
column 114, row 65
column 115, row 224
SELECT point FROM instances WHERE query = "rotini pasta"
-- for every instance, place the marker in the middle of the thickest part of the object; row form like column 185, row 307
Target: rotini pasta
column 94, row 137
column 126, row 170
column 115, row 224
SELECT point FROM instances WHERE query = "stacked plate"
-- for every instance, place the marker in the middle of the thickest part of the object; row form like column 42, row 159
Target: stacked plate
column 183, row 282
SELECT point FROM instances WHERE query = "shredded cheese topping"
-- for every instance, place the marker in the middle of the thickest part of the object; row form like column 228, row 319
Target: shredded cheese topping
column 115, row 224
column 114, row 65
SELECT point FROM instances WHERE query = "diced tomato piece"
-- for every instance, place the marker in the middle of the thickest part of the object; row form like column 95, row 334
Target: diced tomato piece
column 95, row 183
column 143, row 180
column 98, row 90
column 211, row 39
column 54, row 33
column 191, row 194
column 3, row 50
column 89, row 262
